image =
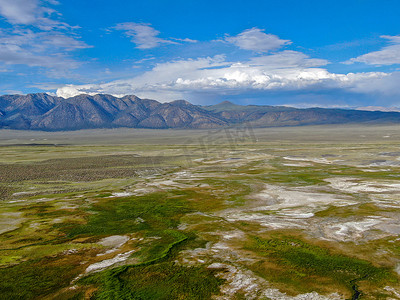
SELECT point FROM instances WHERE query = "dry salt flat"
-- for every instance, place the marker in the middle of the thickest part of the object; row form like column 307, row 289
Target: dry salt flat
column 121, row 194
column 109, row 262
column 355, row 185
column 278, row 207
column 305, row 198
column 313, row 160
column 114, row 242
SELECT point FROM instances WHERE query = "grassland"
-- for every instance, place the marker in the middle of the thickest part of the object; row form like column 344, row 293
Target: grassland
column 277, row 213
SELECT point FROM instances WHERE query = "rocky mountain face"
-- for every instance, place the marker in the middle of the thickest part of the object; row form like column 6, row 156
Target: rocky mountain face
column 44, row 112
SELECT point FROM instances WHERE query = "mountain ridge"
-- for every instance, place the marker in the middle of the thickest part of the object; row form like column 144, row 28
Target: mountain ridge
column 42, row 111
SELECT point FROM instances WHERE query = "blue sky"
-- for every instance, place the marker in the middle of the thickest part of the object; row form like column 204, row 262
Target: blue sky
column 286, row 52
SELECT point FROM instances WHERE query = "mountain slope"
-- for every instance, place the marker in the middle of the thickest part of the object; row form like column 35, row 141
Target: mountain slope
column 46, row 112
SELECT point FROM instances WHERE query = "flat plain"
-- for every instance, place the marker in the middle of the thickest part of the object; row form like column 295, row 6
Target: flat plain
column 236, row 213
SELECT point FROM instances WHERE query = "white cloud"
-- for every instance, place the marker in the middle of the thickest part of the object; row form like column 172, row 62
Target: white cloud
column 37, row 38
column 288, row 59
column 388, row 55
column 257, row 40
column 59, row 40
column 19, row 11
column 38, row 49
column 34, row 13
column 146, row 37
column 47, row 86
column 12, row 54
column 143, row 35
column 186, row 40
column 285, row 71
column 386, row 84
column 12, row 92
column 53, row 2
column 378, row 108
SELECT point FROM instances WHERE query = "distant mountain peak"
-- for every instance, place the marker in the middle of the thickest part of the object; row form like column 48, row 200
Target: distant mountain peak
column 226, row 102
column 180, row 103
column 46, row 112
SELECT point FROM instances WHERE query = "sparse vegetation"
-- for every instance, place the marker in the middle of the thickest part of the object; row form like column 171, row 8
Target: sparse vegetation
column 179, row 211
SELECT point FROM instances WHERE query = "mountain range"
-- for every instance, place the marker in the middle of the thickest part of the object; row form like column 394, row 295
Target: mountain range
column 45, row 112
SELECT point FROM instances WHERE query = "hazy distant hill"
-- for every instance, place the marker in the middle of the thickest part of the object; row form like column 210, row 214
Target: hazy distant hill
column 44, row 112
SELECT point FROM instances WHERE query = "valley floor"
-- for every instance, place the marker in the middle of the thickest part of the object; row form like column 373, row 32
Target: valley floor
column 237, row 213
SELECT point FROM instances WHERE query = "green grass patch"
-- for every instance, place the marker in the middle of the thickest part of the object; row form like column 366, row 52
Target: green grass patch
column 233, row 189
column 165, row 280
column 159, row 248
column 29, row 280
column 158, row 277
column 301, row 265
column 359, row 210
column 9, row 259
column 150, row 213
column 296, row 178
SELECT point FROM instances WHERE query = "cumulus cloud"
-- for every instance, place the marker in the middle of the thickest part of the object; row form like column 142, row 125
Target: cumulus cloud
column 388, row 55
column 286, row 71
column 145, row 36
column 256, row 39
column 386, row 84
